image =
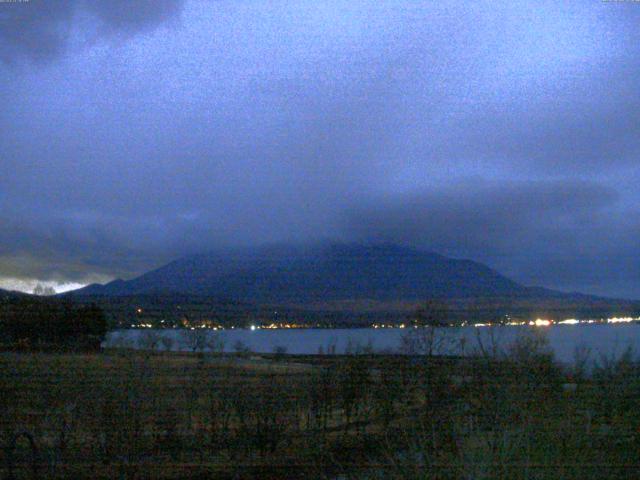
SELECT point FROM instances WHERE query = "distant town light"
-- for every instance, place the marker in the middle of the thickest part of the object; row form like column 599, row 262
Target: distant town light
column 569, row 321
column 620, row 320
column 539, row 322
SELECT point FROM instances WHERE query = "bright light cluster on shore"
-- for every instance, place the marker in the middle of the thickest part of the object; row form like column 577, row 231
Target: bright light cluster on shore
column 541, row 322
column 569, row 321
column 273, row 326
column 621, row 319
column 538, row 322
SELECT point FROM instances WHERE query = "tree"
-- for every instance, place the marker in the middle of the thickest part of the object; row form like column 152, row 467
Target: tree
column 149, row 340
column 241, row 348
column 39, row 320
column 43, row 291
column 195, row 339
column 353, row 384
column 215, row 342
column 280, row 351
column 167, row 342
column 427, row 337
column 97, row 320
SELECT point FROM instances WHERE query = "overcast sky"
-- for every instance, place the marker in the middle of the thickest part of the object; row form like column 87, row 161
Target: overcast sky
column 132, row 133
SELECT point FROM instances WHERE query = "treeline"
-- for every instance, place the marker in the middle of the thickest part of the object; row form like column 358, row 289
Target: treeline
column 164, row 310
column 28, row 322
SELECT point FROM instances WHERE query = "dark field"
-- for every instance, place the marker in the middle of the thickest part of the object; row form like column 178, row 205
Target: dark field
column 141, row 415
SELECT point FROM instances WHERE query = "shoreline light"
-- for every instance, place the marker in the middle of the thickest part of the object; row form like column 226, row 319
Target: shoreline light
column 620, row 320
column 539, row 322
column 569, row 321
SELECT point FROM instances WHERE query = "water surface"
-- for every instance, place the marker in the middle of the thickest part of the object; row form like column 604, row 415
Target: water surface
column 601, row 339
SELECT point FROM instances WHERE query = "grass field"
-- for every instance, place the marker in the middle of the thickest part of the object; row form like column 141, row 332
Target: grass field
column 124, row 414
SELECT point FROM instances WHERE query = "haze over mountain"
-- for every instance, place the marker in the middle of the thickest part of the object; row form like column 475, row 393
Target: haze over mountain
column 304, row 275
column 135, row 133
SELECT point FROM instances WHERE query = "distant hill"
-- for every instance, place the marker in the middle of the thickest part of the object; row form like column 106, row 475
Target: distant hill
column 296, row 275
column 347, row 284
column 11, row 294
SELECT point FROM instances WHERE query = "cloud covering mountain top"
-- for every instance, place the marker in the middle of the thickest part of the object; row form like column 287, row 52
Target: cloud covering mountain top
column 132, row 133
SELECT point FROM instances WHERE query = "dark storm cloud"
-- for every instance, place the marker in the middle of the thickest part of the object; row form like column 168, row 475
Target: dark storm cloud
column 548, row 233
column 134, row 16
column 79, row 245
column 249, row 123
column 588, row 137
column 39, row 30
column 475, row 214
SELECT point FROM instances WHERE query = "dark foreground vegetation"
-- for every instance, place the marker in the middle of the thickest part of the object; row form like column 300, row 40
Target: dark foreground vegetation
column 29, row 323
column 511, row 415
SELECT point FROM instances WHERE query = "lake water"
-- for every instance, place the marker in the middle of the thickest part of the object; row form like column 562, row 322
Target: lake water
column 600, row 339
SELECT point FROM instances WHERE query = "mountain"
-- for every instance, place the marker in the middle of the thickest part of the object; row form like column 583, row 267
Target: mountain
column 297, row 275
column 12, row 294
column 340, row 284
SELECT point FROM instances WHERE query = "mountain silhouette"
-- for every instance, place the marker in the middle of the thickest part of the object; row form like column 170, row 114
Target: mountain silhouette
column 287, row 274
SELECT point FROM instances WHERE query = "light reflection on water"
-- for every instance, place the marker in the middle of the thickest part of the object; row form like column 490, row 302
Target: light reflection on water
column 602, row 340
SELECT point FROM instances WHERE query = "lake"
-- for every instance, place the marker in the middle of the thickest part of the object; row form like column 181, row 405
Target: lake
column 601, row 339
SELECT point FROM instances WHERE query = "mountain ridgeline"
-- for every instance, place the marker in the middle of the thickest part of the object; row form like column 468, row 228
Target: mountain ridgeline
column 336, row 285
column 289, row 275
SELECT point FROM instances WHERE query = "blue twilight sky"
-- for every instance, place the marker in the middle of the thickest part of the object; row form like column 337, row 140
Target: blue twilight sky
column 508, row 132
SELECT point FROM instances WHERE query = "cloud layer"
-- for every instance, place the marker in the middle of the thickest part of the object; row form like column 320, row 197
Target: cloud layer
column 41, row 30
column 544, row 233
column 135, row 132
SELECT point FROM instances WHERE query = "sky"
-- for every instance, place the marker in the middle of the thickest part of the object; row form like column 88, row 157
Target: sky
column 133, row 133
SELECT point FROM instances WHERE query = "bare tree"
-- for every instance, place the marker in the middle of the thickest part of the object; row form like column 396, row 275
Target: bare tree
column 354, row 380
column 581, row 362
column 428, row 335
column 195, row 339
column 241, row 348
column 149, row 340
column 167, row 342
column 489, row 343
column 427, row 340
column 215, row 343
column 280, row 351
